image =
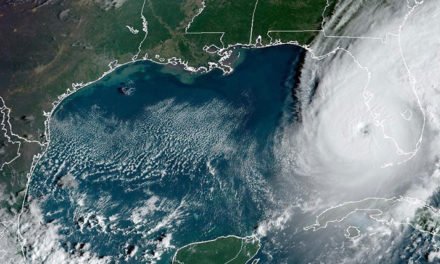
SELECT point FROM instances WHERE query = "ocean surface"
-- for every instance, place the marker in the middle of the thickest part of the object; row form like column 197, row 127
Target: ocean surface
column 145, row 160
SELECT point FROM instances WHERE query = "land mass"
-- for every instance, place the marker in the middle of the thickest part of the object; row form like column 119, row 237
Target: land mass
column 229, row 249
column 52, row 47
column 49, row 46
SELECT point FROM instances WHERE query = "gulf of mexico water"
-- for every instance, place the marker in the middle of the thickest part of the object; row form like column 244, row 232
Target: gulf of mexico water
column 143, row 162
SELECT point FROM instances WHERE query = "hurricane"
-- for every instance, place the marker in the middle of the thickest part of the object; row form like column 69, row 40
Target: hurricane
column 325, row 153
column 367, row 141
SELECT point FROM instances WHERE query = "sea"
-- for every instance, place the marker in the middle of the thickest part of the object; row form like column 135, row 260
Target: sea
column 151, row 158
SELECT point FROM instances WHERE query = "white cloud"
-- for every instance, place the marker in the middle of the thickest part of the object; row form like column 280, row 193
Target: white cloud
column 372, row 127
column 42, row 242
column 367, row 131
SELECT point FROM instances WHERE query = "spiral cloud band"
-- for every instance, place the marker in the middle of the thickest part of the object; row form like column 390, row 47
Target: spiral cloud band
column 369, row 96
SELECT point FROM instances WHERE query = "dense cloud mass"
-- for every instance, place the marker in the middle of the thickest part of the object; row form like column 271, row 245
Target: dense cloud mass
column 369, row 96
column 367, row 139
column 36, row 241
column 369, row 106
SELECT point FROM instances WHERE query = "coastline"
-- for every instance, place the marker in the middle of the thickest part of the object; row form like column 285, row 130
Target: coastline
column 222, row 64
column 79, row 87
column 252, row 237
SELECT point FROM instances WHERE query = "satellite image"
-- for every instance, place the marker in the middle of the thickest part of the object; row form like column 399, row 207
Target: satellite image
column 219, row 131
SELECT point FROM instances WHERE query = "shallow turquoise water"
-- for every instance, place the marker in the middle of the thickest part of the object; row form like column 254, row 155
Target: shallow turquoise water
column 172, row 162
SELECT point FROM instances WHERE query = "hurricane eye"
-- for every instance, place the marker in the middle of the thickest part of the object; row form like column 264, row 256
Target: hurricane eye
column 365, row 130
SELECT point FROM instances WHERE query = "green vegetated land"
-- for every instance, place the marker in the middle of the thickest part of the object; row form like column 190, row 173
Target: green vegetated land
column 44, row 50
column 230, row 249
column 272, row 19
column 48, row 47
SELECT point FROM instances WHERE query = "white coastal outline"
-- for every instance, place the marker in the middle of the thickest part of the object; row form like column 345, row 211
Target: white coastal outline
column 347, row 233
column 276, row 41
column 224, row 52
column 374, row 214
column 368, row 95
column 317, row 225
column 252, row 237
column 409, row 154
column 412, row 78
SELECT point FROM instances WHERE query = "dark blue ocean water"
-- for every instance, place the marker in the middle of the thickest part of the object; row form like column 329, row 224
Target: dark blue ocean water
column 172, row 163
